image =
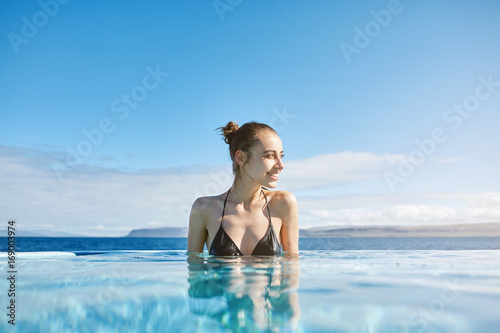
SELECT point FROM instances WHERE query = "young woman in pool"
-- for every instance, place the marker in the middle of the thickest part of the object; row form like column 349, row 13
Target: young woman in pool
column 248, row 219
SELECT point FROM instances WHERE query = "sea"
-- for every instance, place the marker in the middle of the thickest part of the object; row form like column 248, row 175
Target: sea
column 54, row 284
column 85, row 244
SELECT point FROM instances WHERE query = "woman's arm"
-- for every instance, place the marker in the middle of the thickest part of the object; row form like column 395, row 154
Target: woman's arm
column 290, row 219
column 197, row 234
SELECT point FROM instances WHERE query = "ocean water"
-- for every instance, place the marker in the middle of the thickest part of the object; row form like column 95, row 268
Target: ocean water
column 318, row 291
column 83, row 288
column 27, row 244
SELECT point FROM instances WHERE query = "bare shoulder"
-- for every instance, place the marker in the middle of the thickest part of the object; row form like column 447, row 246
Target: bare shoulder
column 199, row 221
column 283, row 197
column 283, row 202
column 204, row 205
column 202, row 213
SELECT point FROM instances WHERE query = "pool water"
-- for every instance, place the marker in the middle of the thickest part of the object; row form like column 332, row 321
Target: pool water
column 319, row 291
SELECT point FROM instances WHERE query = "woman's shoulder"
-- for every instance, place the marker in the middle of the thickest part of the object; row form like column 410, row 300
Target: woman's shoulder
column 282, row 199
column 208, row 203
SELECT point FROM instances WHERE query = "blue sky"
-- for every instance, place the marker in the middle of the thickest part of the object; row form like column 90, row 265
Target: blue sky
column 349, row 121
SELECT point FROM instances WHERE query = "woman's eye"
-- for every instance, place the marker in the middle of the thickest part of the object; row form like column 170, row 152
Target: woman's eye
column 273, row 156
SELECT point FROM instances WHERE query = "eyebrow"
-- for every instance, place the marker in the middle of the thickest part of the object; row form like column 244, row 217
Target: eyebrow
column 271, row 151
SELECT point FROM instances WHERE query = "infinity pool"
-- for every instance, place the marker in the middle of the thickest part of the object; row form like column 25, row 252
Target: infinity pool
column 319, row 291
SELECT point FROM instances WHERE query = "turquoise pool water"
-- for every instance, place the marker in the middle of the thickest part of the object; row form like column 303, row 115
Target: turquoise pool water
column 321, row 291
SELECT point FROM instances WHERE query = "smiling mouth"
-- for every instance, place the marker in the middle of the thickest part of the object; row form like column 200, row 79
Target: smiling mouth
column 273, row 176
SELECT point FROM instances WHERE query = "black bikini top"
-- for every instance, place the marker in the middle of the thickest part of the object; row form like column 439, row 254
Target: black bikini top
column 223, row 245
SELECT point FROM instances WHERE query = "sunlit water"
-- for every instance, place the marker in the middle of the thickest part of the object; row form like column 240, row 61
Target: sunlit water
column 72, row 244
column 321, row 291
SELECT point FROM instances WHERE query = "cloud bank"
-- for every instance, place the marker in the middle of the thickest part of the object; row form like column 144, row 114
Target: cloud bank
column 97, row 201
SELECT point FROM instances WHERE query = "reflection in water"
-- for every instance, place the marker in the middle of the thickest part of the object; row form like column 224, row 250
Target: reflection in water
column 246, row 293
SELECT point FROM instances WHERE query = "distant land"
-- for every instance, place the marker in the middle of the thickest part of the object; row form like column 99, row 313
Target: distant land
column 454, row 230
column 159, row 232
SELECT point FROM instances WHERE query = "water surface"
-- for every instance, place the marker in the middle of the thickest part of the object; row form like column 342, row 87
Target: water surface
column 26, row 244
column 321, row 291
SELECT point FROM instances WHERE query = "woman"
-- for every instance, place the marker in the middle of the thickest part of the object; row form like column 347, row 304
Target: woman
column 248, row 219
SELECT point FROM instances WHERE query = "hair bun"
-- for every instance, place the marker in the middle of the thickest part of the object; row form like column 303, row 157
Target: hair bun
column 229, row 131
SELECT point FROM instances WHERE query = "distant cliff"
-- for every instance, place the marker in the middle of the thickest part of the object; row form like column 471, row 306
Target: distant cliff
column 454, row 230
column 159, row 232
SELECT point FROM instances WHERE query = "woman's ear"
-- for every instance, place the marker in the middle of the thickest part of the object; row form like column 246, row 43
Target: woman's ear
column 240, row 157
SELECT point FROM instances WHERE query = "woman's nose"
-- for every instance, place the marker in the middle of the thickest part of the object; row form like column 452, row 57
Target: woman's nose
column 280, row 164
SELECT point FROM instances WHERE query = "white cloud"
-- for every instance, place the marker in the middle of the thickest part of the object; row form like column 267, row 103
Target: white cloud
column 332, row 169
column 481, row 208
column 105, row 202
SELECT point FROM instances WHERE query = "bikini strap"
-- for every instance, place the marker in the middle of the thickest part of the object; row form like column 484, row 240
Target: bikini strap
column 224, row 209
column 267, row 205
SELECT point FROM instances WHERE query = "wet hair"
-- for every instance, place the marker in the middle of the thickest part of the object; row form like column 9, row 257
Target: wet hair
column 242, row 138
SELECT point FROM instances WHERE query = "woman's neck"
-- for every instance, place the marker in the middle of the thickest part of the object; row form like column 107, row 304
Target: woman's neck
column 245, row 192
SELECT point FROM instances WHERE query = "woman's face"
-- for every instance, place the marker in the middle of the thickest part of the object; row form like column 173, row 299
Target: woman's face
column 265, row 163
